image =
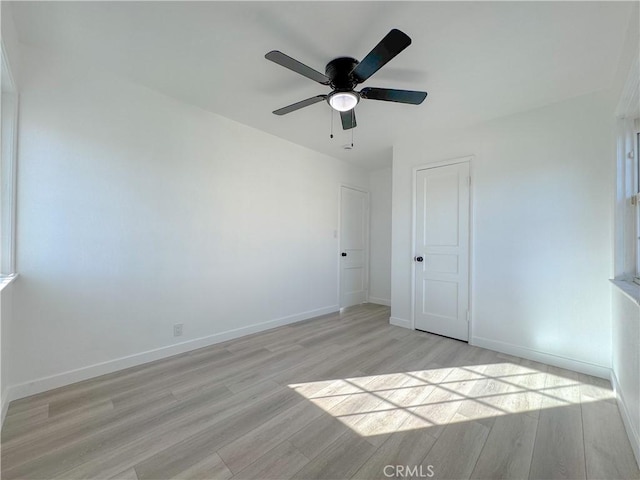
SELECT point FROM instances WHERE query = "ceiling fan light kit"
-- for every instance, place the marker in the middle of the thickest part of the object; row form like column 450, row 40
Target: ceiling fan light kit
column 343, row 74
column 343, row 101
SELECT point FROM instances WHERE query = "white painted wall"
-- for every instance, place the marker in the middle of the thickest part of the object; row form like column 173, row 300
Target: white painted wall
column 380, row 243
column 541, row 252
column 626, row 363
column 136, row 212
column 6, row 316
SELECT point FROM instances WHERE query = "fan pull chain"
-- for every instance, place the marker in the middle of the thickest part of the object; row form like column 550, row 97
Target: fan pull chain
column 331, row 135
column 352, row 121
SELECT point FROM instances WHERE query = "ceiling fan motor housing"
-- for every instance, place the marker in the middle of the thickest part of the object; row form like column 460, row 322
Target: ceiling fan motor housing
column 339, row 72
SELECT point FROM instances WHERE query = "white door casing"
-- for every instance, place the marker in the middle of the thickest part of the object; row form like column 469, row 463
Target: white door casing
column 441, row 256
column 354, row 240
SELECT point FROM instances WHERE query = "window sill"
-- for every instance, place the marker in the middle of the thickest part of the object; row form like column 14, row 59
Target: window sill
column 6, row 280
column 629, row 288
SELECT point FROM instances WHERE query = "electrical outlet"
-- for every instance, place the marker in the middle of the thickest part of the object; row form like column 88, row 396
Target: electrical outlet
column 177, row 330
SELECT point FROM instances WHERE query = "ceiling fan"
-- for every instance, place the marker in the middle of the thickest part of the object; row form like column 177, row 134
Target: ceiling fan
column 343, row 74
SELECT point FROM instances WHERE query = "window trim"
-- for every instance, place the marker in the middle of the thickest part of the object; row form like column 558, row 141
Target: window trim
column 8, row 166
column 626, row 244
column 636, row 277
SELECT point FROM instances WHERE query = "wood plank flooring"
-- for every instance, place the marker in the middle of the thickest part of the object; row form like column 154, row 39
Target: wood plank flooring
column 340, row 396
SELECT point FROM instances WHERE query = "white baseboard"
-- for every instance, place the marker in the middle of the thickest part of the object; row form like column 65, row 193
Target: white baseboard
column 43, row 384
column 380, row 301
column 632, row 432
column 400, row 322
column 542, row 357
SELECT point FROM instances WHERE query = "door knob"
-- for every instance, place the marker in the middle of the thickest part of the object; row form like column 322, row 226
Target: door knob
column 344, row 254
column 419, row 259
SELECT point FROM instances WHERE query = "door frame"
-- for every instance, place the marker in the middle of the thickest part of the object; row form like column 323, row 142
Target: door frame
column 426, row 166
column 366, row 243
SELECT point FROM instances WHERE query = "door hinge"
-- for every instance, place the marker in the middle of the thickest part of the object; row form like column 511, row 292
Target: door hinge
column 469, row 181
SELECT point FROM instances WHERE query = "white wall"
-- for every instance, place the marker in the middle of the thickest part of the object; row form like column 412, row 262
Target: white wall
column 380, row 243
column 626, row 363
column 6, row 316
column 541, row 232
column 137, row 212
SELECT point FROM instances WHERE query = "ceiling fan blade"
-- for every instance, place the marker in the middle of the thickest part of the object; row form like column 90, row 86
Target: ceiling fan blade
column 391, row 95
column 348, row 119
column 293, row 64
column 298, row 105
column 391, row 45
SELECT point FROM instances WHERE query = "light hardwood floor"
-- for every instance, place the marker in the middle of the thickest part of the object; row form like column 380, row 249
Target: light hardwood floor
column 340, row 396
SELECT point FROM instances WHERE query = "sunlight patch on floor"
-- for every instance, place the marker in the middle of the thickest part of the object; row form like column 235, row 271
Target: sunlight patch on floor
column 385, row 403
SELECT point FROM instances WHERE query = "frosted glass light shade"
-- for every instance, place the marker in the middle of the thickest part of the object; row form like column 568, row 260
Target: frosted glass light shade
column 343, row 101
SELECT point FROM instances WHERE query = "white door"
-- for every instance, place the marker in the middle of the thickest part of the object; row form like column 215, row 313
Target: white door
column 442, row 250
column 354, row 212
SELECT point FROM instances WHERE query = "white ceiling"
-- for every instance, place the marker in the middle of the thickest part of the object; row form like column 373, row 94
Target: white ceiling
column 478, row 61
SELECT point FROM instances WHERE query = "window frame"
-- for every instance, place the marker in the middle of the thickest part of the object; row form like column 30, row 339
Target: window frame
column 636, row 277
column 626, row 212
column 9, row 108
